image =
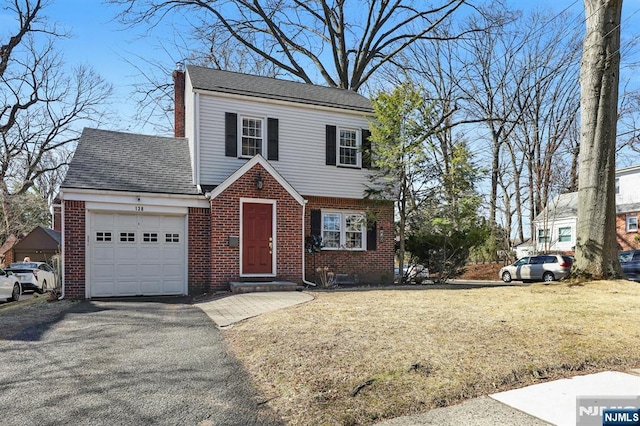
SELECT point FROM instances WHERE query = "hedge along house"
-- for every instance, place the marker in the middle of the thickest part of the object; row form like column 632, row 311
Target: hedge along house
column 256, row 168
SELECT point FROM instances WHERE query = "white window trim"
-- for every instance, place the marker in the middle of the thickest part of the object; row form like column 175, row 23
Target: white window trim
column 546, row 239
column 358, row 147
column 343, row 231
column 627, row 223
column 570, row 234
column 263, row 150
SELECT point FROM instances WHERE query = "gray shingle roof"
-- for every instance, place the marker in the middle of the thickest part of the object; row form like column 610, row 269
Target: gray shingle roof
column 564, row 206
column 273, row 88
column 117, row 161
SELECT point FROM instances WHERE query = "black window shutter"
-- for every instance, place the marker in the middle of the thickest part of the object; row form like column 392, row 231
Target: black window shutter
column 366, row 149
column 331, row 146
column 372, row 237
column 272, row 139
column 230, row 134
column 316, row 222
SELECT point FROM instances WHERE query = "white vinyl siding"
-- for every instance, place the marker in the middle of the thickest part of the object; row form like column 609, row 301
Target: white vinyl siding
column 302, row 133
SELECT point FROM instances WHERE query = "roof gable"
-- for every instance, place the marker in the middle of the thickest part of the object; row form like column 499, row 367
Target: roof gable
column 40, row 238
column 564, row 206
column 118, row 161
column 257, row 159
column 276, row 89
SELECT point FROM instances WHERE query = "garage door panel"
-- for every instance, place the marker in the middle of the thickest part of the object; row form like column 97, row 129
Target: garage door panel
column 137, row 255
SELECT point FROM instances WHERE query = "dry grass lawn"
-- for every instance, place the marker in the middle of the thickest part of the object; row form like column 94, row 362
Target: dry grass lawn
column 362, row 356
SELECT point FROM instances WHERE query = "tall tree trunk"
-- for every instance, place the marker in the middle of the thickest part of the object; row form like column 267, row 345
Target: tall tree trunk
column 596, row 252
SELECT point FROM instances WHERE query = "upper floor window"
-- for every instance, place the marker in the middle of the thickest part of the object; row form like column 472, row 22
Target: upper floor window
column 252, row 139
column 564, row 234
column 348, row 147
column 344, row 230
column 349, row 150
column 632, row 223
column 617, row 185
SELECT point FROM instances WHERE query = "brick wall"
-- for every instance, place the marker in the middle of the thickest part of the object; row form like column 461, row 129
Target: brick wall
column 199, row 259
column 74, row 249
column 370, row 267
column 225, row 222
column 179, row 107
column 626, row 240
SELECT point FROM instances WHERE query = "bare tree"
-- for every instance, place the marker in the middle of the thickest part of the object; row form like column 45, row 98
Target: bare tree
column 596, row 253
column 42, row 105
column 339, row 42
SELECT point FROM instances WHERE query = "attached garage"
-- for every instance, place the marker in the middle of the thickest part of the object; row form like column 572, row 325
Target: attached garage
column 136, row 254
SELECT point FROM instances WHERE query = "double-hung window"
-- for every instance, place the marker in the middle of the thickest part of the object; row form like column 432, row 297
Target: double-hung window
column 348, row 148
column 344, row 230
column 564, row 234
column 543, row 236
column 252, row 136
column 632, row 223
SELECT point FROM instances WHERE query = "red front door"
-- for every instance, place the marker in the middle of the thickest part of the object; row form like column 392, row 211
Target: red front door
column 257, row 238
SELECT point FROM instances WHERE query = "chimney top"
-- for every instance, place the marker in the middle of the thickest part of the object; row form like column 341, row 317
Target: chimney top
column 179, row 66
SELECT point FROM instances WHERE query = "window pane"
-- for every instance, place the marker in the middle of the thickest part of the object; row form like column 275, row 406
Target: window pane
column 331, row 230
column 354, row 224
column 564, row 234
column 251, row 136
column 348, row 147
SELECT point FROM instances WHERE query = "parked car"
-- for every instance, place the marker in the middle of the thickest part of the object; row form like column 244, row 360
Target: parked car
column 413, row 273
column 37, row 276
column 630, row 263
column 546, row 267
column 10, row 287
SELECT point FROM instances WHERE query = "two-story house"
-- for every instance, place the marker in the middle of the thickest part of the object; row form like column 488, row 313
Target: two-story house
column 555, row 227
column 256, row 168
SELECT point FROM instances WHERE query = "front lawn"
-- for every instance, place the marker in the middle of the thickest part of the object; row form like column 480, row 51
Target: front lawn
column 362, row 356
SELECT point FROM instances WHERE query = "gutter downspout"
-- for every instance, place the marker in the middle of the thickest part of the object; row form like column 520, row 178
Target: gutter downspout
column 304, row 281
column 62, row 228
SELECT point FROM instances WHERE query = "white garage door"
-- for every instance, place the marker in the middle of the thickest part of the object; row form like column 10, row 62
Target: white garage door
column 132, row 255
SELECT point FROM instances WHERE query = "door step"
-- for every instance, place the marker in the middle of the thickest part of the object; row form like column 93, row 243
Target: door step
column 252, row 287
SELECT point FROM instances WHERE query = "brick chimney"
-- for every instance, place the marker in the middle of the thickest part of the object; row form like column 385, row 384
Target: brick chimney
column 178, row 97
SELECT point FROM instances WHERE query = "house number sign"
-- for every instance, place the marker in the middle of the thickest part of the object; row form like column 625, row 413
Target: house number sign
column 139, row 208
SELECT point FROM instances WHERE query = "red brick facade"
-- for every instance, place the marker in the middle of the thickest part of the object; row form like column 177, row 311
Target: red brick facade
column 214, row 249
column 626, row 240
column 74, row 249
column 199, row 259
column 366, row 267
column 225, row 224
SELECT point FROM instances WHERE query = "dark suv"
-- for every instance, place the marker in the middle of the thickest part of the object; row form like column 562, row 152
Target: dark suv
column 630, row 263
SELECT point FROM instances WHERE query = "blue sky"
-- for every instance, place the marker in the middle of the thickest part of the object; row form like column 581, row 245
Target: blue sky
column 112, row 50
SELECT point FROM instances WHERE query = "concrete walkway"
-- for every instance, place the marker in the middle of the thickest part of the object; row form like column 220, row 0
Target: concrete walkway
column 231, row 309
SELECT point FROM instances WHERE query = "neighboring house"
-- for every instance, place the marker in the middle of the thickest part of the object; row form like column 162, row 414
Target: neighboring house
column 256, row 168
column 555, row 227
column 6, row 250
column 40, row 245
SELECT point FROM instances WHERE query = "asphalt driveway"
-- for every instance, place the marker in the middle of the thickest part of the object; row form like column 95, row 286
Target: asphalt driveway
column 126, row 363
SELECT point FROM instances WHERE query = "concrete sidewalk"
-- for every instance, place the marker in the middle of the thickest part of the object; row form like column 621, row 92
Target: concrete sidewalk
column 234, row 308
column 549, row 403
